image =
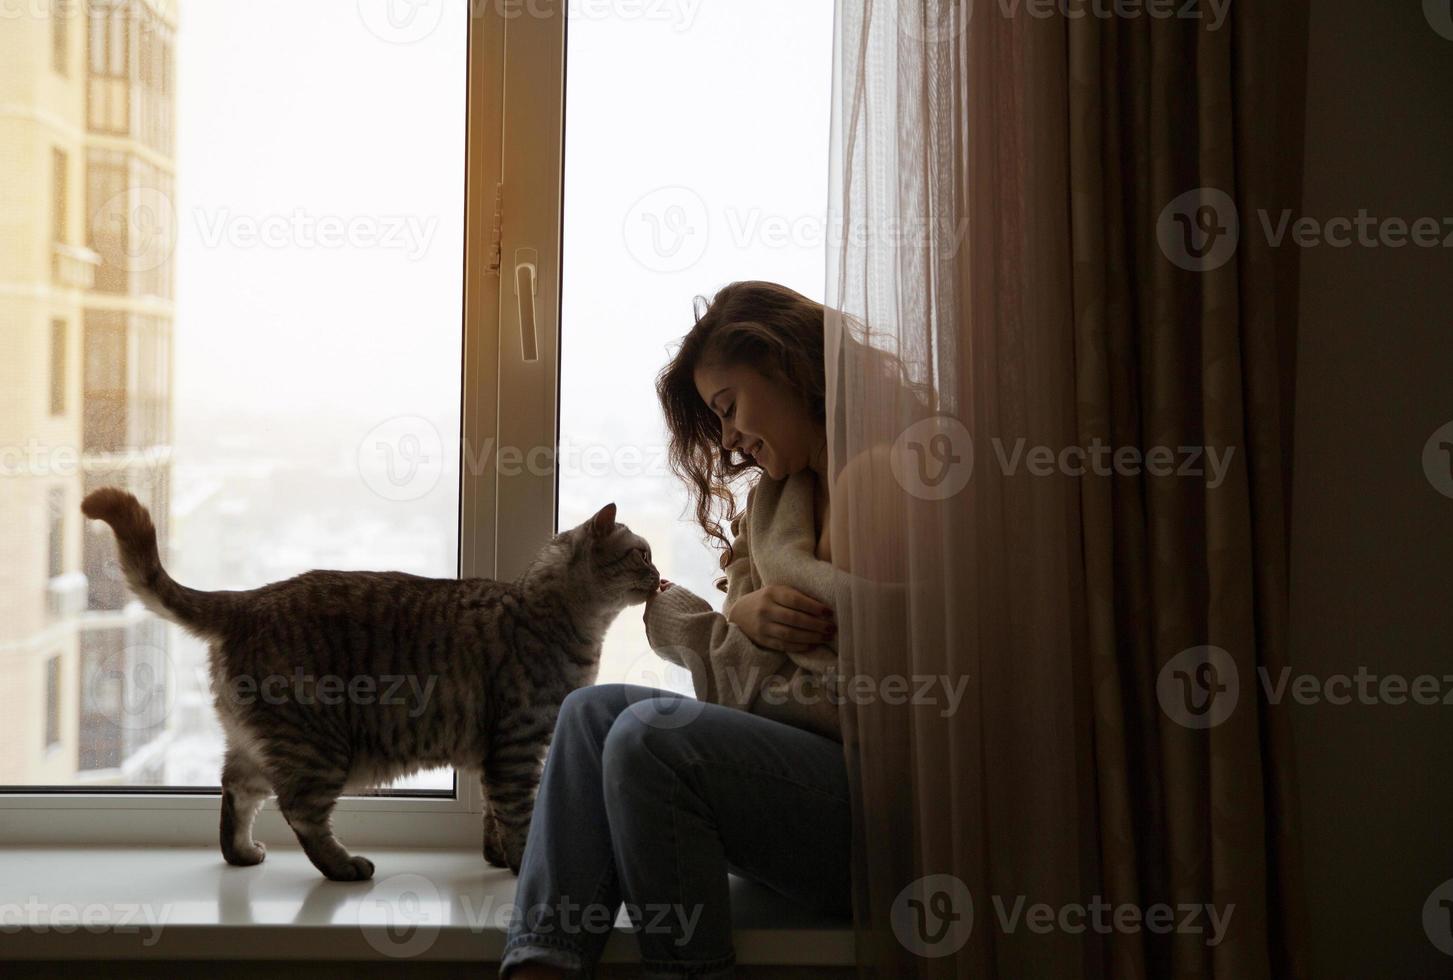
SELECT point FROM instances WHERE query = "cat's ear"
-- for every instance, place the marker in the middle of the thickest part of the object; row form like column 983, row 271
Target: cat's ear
column 603, row 520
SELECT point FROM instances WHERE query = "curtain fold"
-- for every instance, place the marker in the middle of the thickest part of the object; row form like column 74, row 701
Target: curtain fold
column 1025, row 264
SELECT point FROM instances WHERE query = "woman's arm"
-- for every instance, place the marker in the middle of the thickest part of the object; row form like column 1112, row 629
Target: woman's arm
column 726, row 666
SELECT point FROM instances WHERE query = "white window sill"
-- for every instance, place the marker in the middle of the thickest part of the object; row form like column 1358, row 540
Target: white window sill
column 185, row 903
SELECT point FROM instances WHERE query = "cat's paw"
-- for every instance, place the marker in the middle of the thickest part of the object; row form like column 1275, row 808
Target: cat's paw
column 246, row 857
column 494, row 850
column 357, row 868
column 514, row 848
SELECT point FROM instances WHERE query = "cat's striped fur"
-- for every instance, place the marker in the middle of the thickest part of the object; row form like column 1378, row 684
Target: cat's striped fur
column 477, row 668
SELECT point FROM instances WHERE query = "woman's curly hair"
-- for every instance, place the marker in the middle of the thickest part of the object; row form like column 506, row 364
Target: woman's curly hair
column 770, row 328
column 779, row 333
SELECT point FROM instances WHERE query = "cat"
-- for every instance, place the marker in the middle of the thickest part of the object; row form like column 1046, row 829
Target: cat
column 334, row 681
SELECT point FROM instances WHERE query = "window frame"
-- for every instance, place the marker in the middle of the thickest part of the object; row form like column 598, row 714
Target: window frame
column 60, row 166
column 60, row 37
column 60, row 344
column 515, row 127
column 55, row 689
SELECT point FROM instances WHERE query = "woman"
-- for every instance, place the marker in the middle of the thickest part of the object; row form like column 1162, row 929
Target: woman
column 651, row 799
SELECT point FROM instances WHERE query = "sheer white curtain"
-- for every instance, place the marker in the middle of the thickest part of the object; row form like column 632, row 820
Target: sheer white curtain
column 964, row 571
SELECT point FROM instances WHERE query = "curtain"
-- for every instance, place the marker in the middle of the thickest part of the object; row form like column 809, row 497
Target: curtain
column 1047, row 273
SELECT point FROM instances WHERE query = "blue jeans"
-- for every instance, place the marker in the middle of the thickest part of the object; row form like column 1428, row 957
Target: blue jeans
column 651, row 798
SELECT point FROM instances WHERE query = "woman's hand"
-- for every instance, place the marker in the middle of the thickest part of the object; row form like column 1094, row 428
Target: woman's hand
column 780, row 617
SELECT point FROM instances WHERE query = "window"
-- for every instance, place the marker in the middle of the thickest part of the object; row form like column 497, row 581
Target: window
column 104, row 389
column 53, row 702
column 108, row 64
column 650, row 221
column 59, row 193
column 269, row 358
column 306, row 345
column 58, row 330
column 60, row 19
column 56, row 539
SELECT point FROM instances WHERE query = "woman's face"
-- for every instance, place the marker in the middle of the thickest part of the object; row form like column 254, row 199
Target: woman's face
column 765, row 418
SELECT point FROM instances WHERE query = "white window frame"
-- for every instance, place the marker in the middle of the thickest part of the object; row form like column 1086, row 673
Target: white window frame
column 515, row 137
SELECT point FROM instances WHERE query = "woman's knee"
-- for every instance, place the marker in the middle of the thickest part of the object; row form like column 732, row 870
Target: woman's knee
column 590, row 711
column 625, row 750
column 645, row 742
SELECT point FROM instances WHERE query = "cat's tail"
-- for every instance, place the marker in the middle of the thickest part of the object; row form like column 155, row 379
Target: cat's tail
column 200, row 612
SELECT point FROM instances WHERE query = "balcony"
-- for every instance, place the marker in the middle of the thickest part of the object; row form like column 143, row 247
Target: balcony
column 66, row 595
column 73, row 266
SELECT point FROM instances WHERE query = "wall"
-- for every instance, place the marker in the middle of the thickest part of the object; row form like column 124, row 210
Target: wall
column 1372, row 580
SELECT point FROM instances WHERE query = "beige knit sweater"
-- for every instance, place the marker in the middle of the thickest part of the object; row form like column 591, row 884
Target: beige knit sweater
column 774, row 544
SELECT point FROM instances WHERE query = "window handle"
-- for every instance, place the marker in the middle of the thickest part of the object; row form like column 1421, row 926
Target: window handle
column 527, row 286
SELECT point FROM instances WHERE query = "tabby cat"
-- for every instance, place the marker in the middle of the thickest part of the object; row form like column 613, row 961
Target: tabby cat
column 335, row 681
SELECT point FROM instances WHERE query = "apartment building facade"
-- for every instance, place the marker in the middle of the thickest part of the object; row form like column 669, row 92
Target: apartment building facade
column 87, row 272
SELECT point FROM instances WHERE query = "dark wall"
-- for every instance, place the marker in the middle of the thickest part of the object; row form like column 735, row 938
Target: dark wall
column 1372, row 539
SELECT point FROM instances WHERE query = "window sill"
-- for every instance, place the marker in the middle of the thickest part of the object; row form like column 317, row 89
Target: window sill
column 185, row 903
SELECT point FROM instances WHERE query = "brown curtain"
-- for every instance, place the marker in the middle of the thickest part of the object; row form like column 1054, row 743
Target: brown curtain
column 1056, row 226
